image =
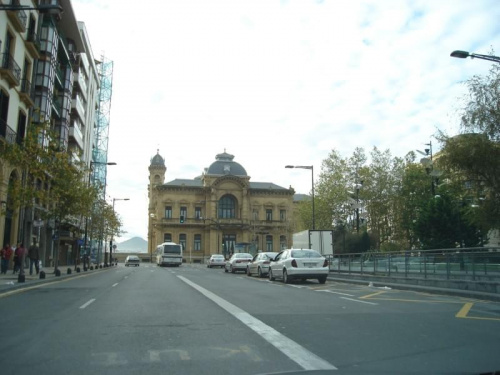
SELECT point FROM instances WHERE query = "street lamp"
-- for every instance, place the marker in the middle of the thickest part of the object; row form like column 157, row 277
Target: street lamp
column 464, row 54
column 112, row 238
column 311, row 167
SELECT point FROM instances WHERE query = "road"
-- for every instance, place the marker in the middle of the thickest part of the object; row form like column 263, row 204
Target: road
column 195, row 320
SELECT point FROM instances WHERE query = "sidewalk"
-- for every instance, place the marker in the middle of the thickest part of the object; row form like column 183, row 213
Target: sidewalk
column 9, row 281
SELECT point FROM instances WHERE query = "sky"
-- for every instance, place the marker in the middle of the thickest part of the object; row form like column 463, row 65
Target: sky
column 277, row 83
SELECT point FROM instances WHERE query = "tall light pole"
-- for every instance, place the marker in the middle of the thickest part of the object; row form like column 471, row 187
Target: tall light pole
column 92, row 163
column 112, row 237
column 311, row 167
column 464, row 54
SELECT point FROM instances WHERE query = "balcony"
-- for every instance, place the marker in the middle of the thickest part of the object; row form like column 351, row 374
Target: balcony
column 7, row 133
column 80, row 79
column 9, row 69
column 32, row 44
column 76, row 134
column 77, row 106
column 25, row 93
column 18, row 18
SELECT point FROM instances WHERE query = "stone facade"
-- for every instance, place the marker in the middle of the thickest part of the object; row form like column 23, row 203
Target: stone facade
column 221, row 211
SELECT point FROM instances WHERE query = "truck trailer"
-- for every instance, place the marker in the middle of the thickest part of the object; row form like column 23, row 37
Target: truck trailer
column 319, row 240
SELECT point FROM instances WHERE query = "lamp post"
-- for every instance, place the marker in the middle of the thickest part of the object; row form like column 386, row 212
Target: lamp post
column 464, row 54
column 87, row 219
column 311, row 167
column 112, row 237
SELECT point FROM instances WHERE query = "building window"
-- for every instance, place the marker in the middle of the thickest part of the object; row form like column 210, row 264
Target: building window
column 21, row 128
column 227, row 207
column 197, row 212
column 182, row 240
column 197, row 242
column 269, row 243
column 269, row 214
column 184, row 212
column 282, row 215
column 283, row 243
column 167, row 237
column 168, row 212
column 255, row 215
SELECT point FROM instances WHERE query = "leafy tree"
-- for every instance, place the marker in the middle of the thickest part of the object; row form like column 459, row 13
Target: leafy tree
column 53, row 181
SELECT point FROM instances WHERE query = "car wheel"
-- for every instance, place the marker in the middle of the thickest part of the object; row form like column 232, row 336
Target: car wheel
column 271, row 277
column 225, row 269
column 286, row 279
column 322, row 279
column 248, row 272
column 259, row 272
column 232, row 269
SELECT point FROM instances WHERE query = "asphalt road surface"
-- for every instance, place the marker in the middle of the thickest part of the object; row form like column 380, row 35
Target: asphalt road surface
column 195, row 320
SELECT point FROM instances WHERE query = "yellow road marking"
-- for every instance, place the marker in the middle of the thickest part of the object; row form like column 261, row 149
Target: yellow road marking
column 464, row 310
column 373, row 294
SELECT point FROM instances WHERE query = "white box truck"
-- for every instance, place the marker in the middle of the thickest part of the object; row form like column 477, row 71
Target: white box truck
column 319, row 240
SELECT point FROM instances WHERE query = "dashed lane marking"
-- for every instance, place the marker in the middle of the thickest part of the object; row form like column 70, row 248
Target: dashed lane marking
column 87, row 303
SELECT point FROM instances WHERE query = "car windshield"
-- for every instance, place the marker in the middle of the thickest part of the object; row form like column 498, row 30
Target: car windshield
column 305, row 254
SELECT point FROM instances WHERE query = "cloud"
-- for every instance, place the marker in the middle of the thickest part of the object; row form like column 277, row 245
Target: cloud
column 277, row 82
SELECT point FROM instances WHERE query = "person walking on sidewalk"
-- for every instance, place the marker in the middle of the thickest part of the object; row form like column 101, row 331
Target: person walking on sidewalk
column 5, row 255
column 19, row 256
column 34, row 255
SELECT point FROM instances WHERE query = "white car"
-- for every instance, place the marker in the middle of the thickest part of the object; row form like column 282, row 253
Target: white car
column 299, row 264
column 132, row 260
column 260, row 264
column 216, row 260
column 238, row 262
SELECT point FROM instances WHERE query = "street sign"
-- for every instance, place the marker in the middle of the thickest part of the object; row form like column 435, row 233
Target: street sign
column 38, row 223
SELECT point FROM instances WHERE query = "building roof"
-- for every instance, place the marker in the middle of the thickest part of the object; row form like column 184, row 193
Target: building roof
column 224, row 165
column 157, row 160
column 199, row 183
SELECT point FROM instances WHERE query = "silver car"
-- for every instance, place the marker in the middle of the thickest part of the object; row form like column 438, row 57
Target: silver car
column 238, row 262
column 216, row 260
column 299, row 264
column 260, row 264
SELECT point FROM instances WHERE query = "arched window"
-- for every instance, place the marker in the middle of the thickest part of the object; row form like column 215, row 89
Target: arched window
column 227, row 207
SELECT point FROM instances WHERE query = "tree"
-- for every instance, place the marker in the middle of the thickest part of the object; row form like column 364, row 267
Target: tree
column 52, row 181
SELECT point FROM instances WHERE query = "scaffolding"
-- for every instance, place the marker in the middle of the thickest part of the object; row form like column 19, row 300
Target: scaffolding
column 101, row 133
column 99, row 164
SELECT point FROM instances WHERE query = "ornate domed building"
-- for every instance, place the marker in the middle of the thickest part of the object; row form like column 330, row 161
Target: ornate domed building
column 221, row 211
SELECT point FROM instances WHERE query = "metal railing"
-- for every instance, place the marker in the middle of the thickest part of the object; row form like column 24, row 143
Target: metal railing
column 8, row 63
column 7, row 132
column 462, row 263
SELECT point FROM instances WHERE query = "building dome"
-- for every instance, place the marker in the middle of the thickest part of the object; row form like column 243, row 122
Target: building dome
column 224, row 165
column 157, row 160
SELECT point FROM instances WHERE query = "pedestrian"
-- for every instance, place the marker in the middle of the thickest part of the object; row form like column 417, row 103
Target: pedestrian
column 19, row 255
column 5, row 255
column 34, row 255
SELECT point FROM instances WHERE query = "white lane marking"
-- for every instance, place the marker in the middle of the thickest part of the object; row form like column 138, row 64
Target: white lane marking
column 297, row 353
column 357, row 300
column 87, row 303
column 297, row 286
column 115, row 284
column 329, row 291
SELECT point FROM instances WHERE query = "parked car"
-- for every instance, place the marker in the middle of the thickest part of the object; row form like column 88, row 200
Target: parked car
column 216, row 260
column 260, row 264
column 238, row 262
column 300, row 264
column 132, row 260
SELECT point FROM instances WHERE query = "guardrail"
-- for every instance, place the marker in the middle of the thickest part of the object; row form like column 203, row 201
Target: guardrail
column 463, row 263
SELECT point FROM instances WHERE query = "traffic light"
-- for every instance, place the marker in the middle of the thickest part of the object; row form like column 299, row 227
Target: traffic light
column 181, row 219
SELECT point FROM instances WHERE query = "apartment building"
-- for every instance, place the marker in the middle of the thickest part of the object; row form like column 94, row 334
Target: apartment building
column 47, row 74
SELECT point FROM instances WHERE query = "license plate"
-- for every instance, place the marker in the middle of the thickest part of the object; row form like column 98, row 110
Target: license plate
column 310, row 265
